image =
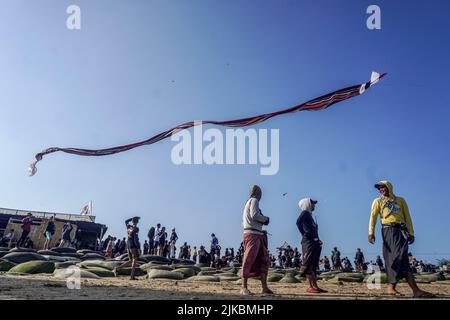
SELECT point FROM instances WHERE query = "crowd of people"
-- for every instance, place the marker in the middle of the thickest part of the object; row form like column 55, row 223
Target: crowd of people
column 253, row 253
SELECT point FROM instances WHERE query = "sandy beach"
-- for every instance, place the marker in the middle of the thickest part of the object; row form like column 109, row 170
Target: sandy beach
column 45, row 287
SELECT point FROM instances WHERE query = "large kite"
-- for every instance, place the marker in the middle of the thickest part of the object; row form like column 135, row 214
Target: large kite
column 316, row 104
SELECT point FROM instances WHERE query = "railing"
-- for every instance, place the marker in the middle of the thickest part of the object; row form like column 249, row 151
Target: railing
column 42, row 214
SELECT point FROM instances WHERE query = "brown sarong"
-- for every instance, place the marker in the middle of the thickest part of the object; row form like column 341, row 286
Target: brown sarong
column 256, row 256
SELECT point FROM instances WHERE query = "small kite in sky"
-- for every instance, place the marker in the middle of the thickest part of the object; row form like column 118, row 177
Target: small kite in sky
column 316, row 104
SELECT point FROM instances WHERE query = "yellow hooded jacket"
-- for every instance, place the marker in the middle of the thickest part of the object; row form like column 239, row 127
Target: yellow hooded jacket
column 391, row 209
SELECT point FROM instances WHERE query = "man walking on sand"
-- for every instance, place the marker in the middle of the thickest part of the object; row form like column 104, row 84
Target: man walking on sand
column 397, row 231
column 256, row 255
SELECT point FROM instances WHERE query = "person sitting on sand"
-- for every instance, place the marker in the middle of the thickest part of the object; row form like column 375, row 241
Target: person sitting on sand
column 397, row 231
column 256, row 255
column 133, row 246
column 311, row 244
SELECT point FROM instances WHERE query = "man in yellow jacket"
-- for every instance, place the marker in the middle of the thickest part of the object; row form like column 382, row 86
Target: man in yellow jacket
column 397, row 231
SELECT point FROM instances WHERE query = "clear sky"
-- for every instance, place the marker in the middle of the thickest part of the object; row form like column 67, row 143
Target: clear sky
column 139, row 67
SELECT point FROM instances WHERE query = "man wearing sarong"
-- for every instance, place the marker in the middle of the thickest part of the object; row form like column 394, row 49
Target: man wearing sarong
column 397, row 232
column 256, row 254
column 311, row 244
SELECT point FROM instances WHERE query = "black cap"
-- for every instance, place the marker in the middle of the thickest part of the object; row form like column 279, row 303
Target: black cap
column 378, row 185
column 314, row 201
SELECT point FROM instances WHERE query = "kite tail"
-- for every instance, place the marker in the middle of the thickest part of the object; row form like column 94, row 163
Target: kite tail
column 316, row 104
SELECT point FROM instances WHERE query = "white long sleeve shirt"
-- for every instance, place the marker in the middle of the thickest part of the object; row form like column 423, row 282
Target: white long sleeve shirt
column 252, row 219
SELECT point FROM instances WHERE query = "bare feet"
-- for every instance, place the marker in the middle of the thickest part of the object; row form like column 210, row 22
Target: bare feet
column 245, row 292
column 115, row 272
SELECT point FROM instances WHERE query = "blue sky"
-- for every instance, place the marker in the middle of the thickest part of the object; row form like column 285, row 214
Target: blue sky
column 138, row 68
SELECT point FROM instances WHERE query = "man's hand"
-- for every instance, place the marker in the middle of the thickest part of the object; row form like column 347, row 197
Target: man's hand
column 411, row 239
column 371, row 238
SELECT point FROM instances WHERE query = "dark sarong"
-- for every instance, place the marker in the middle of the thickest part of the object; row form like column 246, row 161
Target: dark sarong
column 395, row 252
column 311, row 256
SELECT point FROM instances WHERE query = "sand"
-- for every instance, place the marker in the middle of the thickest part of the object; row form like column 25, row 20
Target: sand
column 45, row 287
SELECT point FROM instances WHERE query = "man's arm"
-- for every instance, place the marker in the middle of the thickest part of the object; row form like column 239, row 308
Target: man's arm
column 407, row 216
column 373, row 216
column 255, row 212
column 128, row 221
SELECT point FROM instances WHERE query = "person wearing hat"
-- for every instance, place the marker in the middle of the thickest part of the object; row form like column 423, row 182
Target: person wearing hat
column 133, row 246
column 397, row 232
column 256, row 254
column 311, row 244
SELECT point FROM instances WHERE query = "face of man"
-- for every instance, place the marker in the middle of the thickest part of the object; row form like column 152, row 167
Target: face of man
column 383, row 190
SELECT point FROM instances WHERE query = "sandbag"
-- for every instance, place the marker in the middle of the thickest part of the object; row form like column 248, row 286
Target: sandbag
column 207, row 273
column 427, row 278
column 4, row 249
column 110, row 265
column 127, row 272
column 227, row 276
column 21, row 257
column 101, row 272
column 6, row 265
column 64, row 250
column 49, row 253
column 202, row 265
column 84, row 251
column 3, row 253
column 208, row 269
column 92, row 256
column 383, row 278
column 204, row 278
column 33, row 267
column 187, row 272
column 73, row 272
column 71, row 255
column 91, row 263
column 274, row 277
column 195, row 268
column 186, row 262
column 289, row 278
column 20, row 249
column 151, row 257
column 149, row 266
column 64, row 265
column 164, row 274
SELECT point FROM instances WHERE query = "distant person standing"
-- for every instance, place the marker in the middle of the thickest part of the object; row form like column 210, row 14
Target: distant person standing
column 49, row 232
column 336, row 259
column 26, row 228
column 379, row 263
column 109, row 247
column 65, row 238
column 311, row 244
column 146, row 247
column 133, row 246
column 359, row 260
column 214, row 243
column 156, row 239
column 397, row 231
column 151, row 240
column 173, row 241
column 194, row 254
column 256, row 254
column 162, row 241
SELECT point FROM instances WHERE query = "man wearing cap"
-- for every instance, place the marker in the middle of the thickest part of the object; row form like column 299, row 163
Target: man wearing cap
column 311, row 244
column 397, row 231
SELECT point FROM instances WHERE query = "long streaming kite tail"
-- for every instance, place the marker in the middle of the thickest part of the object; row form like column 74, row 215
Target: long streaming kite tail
column 316, row 104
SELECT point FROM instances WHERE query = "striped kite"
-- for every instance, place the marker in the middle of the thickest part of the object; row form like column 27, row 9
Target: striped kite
column 316, row 104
